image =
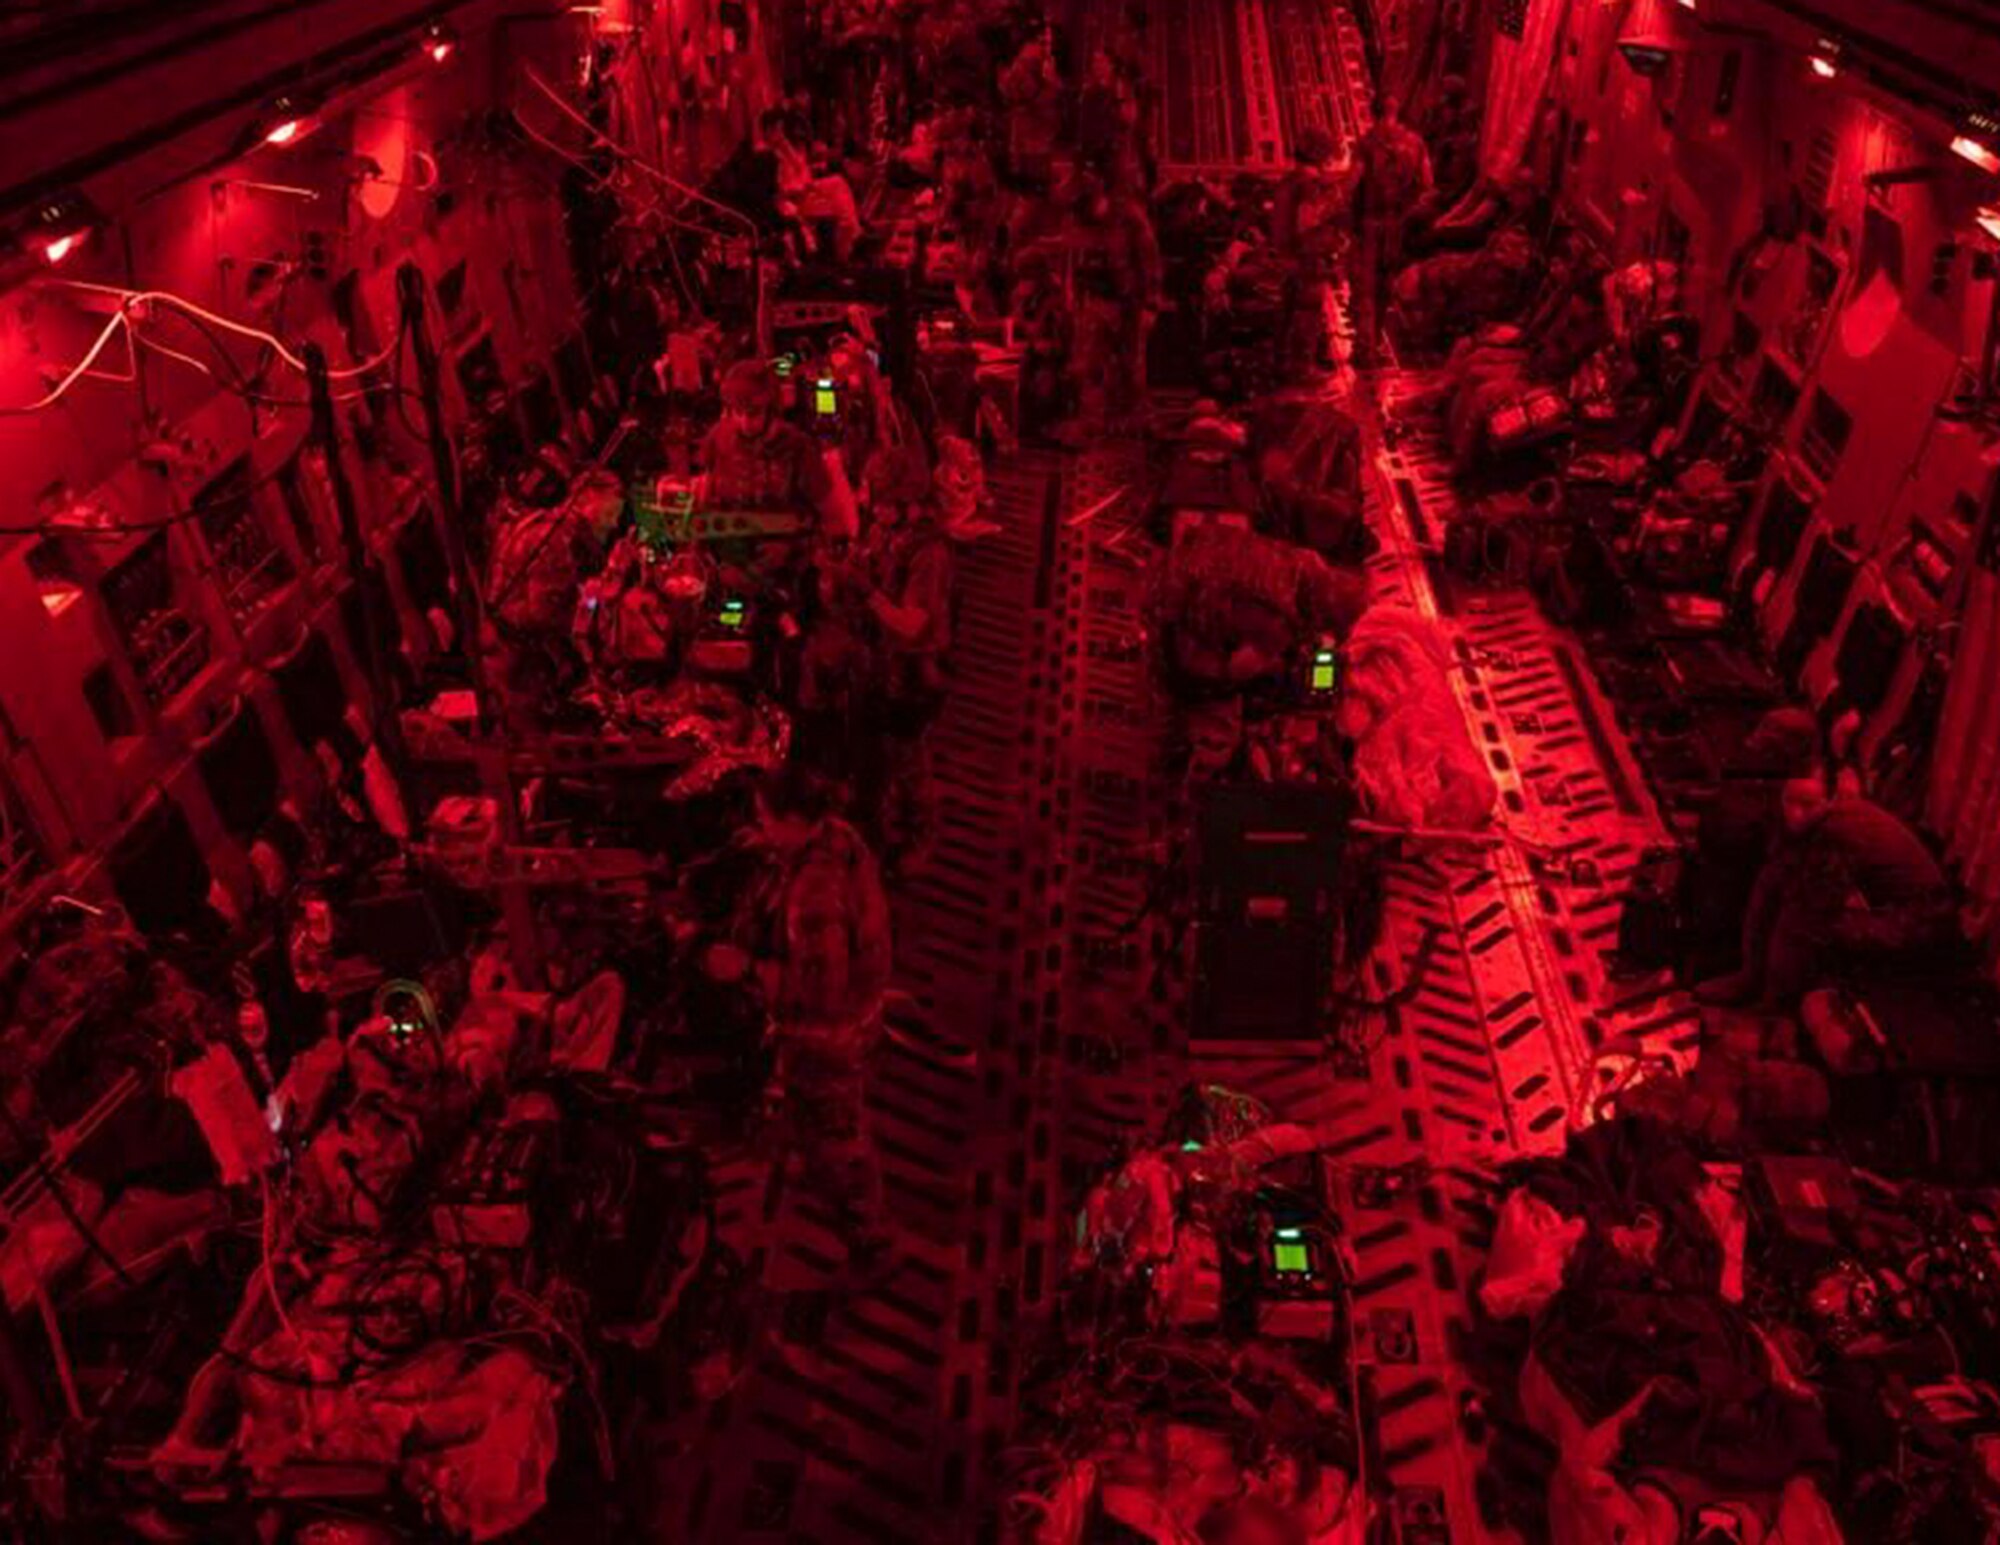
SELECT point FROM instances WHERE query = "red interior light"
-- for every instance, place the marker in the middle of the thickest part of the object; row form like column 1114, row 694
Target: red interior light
column 1980, row 155
column 285, row 133
column 1988, row 220
column 60, row 247
column 1823, row 67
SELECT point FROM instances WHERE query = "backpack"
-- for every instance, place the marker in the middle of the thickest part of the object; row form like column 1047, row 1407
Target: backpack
column 537, row 569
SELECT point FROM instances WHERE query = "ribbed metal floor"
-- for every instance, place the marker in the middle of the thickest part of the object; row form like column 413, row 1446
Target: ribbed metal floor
column 1044, row 1020
column 1239, row 80
column 868, row 1415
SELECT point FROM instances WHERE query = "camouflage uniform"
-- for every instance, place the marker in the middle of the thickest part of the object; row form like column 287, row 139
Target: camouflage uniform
column 909, row 565
column 1123, row 276
column 1231, row 597
column 1395, row 168
column 822, row 920
column 1302, row 235
column 781, row 469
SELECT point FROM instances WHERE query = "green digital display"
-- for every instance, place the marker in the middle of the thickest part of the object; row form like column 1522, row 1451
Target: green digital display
column 825, row 402
column 731, row 615
column 1324, row 671
column 1292, row 1259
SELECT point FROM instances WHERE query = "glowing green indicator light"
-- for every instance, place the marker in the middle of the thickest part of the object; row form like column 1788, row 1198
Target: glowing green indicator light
column 1292, row 1259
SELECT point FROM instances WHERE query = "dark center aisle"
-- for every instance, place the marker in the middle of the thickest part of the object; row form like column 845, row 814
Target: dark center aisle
column 875, row 1412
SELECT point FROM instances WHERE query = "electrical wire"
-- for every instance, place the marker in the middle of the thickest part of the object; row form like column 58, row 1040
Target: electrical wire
column 249, row 395
column 271, row 340
column 160, row 348
column 601, row 180
column 75, row 374
column 239, row 388
column 264, row 1231
column 564, row 106
column 138, row 299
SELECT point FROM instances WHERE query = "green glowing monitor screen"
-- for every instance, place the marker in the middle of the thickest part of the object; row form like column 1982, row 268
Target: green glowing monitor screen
column 732, row 614
column 1291, row 1259
column 825, row 403
column 1323, row 671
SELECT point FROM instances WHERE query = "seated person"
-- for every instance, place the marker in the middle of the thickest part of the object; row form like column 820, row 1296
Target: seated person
column 803, row 194
column 1236, row 606
column 753, row 460
column 1312, row 486
column 974, row 209
column 624, row 623
column 543, row 547
column 1737, row 829
column 1504, row 366
column 684, row 370
column 1446, row 295
column 1032, row 90
column 1849, row 888
column 1044, row 329
column 920, row 160
column 1106, row 123
column 1637, row 297
column 873, row 418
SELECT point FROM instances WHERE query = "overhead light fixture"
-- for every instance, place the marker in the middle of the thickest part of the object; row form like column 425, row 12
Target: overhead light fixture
column 55, row 229
column 1690, row 5
column 1978, row 141
column 1824, row 60
column 439, row 42
column 1979, row 155
column 283, row 189
column 288, row 120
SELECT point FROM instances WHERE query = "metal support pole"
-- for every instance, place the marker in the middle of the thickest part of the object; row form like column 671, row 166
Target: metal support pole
column 361, row 567
column 450, row 513
column 516, row 906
